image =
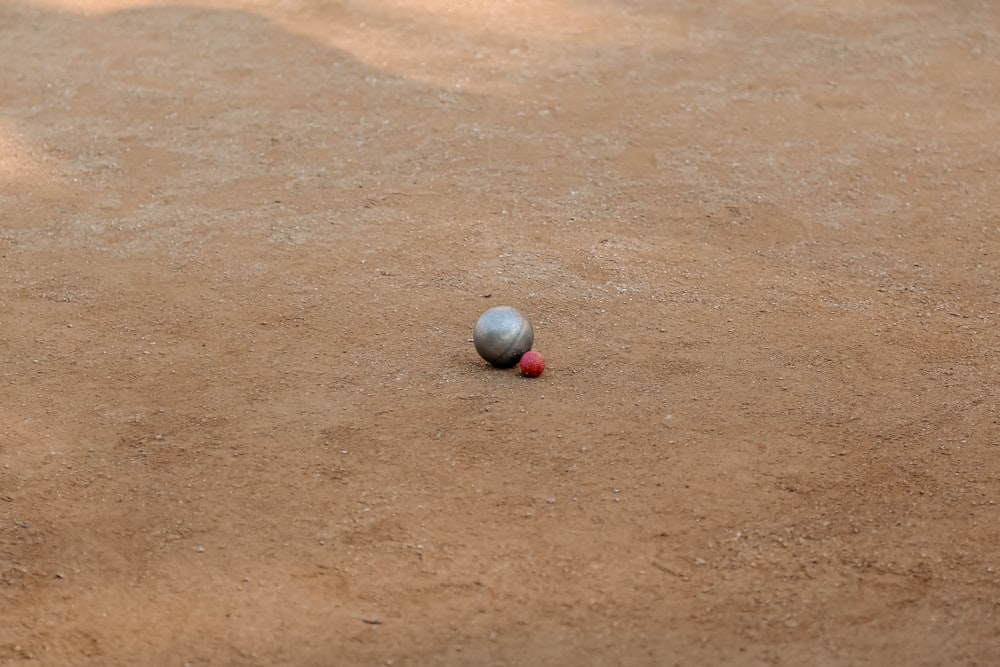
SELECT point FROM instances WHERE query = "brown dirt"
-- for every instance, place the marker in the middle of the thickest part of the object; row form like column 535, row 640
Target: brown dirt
column 243, row 247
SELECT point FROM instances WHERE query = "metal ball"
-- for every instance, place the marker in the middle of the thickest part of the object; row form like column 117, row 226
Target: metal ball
column 502, row 335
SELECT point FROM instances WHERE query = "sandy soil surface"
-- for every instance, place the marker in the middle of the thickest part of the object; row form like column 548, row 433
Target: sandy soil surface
column 243, row 245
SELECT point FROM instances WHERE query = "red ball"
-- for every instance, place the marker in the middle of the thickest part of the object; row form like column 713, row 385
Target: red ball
column 532, row 364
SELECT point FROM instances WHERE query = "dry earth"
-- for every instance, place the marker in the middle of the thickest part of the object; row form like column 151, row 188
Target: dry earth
column 242, row 248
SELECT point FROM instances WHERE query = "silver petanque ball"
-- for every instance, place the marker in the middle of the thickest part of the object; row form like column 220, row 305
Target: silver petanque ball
column 502, row 335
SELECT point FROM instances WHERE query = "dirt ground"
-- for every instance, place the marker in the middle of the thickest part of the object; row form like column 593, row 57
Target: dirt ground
column 243, row 244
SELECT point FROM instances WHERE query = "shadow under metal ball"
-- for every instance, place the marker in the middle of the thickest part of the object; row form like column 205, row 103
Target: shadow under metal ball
column 502, row 335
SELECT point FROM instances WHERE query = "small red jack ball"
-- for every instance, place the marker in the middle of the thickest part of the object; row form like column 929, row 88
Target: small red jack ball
column 532, row 364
